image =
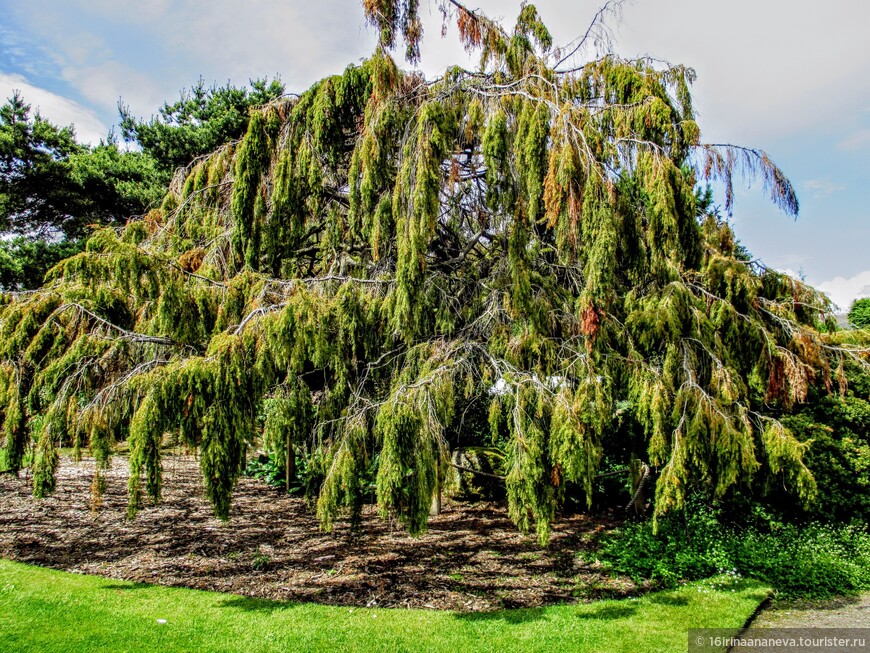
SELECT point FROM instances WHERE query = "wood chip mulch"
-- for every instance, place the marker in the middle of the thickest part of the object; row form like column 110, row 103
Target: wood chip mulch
column 471, row 559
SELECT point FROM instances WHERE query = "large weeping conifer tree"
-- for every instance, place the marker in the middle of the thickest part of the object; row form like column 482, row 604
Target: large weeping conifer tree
column 531, row 235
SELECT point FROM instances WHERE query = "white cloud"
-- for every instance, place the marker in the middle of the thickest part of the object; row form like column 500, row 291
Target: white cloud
column 791, row 273
column 57, row 109
column 858, row 140
column 146, row 52
column 822, row 187
column 123, row 9
column 301, row 41
column 85, row 59
column 843, row 291
column 109, row 81
column 765, row 68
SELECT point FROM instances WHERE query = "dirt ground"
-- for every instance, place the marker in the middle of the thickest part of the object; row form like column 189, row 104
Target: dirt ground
column 471, row 559
column 842, row 612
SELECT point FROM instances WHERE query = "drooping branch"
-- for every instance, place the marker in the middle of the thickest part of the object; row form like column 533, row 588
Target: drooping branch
column 122, row 334
column 720, row 161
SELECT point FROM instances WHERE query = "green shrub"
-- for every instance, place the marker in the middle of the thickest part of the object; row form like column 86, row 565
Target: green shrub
column 265, row 468
column 270, row 469
column 859, row 313
column 812, row 560
column 815, row 560
column 837, row 429
column 688, row 545
column 261, row 562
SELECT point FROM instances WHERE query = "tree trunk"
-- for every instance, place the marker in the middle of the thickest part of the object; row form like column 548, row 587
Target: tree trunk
column 289, row 464
column 435, row 509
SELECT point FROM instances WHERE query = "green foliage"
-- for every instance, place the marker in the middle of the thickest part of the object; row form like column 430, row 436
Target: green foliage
column 145, row 440
column 260, row 562
column 35, row 181
column 812, row 560
column 52, row 189
column 473, row 486
column 859, row 313
column 24, row 261
column 45, row 462
column 268, row 469
column 201, row 120
column 117, row 183
column 382, row 249
column 816, row 560
column 406, row 476
column 686, row 546
column 271, row 469
column 836, row 429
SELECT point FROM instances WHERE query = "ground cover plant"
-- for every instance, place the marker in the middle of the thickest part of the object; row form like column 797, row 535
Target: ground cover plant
column 44, row 610
column 798, row 560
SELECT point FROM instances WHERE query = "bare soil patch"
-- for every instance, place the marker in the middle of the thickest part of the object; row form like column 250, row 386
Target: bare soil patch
column 471, row 559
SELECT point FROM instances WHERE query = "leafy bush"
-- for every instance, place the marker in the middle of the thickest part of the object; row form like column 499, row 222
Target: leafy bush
column 815, row 560
column 859, row 313
column 837, row 428
column 265, row 468
column 24, row 261
column 270, row 469
column 812, row 560
column 687, row 546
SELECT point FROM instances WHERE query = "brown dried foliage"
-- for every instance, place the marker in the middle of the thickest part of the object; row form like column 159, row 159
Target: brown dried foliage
column 191, row 260
column 469, row 30
column 556, row 476
column 775, row 381
column 590, row 323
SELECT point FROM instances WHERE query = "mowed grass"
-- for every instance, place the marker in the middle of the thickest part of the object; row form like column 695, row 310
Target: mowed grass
column 47, row 610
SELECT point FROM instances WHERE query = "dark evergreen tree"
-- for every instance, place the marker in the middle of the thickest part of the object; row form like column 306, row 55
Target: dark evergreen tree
column 200, row 121
column 35, row 184
column 52, row 189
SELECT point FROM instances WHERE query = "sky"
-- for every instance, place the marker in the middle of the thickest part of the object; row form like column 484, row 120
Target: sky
column 785, row 76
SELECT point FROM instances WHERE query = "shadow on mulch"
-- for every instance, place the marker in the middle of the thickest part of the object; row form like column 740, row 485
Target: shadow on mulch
column 471, row 559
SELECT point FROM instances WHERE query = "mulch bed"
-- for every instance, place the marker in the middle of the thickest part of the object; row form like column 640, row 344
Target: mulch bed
column 472, row 558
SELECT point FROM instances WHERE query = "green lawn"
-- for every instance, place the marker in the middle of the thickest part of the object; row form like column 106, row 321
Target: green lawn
column 46, row 610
